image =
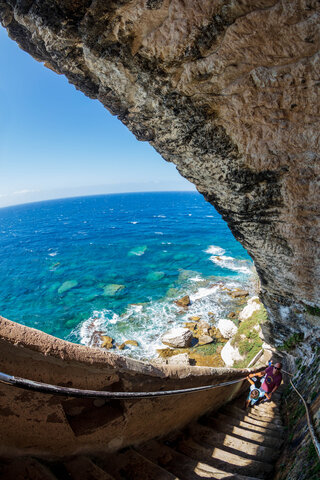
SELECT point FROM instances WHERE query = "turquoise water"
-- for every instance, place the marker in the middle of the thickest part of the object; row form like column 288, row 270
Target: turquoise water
column 114, row 264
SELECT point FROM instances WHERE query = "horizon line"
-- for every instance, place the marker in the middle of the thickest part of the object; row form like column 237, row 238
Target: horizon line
column 97, row 195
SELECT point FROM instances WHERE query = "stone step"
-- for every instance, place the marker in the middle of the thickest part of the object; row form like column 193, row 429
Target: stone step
column 267, row 409
column 245, row 448
column 248, row 426
column 185, row 467
column 248, row 417
column 82, row 468
column 25, row 468
column 263, row 410
column 264, row 416
column 261, row 438
column 133, row 465
column 224, row 460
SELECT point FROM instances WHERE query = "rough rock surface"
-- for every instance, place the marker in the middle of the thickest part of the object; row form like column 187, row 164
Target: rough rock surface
column 253, row 305
column 226, row 327
column 229, row 92
column 230, row 354
column 178, row 337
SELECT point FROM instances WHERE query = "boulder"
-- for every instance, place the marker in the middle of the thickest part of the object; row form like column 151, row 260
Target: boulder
column 227, row 328
column 205, row 339
column 253, row 305
column 230, row 354
column 239, row 293
column 232, row 315
column 134, row 343
column 107, row 342
column 195, row 319
column 183, row 302
column 178, row 337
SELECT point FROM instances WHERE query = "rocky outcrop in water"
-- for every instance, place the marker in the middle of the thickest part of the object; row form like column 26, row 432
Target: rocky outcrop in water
column 229, row 92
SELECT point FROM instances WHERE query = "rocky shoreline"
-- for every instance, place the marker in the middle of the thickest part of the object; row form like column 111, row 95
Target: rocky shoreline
column 232, row 341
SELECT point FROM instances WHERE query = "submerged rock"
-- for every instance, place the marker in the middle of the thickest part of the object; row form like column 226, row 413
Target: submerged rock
column 112, row 289
column 178, row 337
column 67, row 286
column 183, row 302
column 155, row 276
column 138, row 251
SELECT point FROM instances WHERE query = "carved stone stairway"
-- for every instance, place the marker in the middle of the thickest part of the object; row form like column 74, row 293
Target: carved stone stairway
column 232, row 443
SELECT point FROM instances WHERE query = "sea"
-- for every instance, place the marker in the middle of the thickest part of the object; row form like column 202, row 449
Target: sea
column 81, row 268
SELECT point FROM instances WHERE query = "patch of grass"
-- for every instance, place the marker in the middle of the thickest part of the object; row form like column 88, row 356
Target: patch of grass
column 247, row 337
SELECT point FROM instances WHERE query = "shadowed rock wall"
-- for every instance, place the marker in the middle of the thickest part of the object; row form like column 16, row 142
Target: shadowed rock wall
column 226, row 90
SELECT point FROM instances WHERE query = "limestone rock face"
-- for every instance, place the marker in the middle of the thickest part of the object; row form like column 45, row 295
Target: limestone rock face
column 230, row 354
column 229, row 92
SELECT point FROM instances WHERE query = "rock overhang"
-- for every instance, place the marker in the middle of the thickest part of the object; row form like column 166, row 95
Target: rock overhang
column 228, row 91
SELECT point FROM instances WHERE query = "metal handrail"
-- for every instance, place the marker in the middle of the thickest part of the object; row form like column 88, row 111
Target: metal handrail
column 75, row 392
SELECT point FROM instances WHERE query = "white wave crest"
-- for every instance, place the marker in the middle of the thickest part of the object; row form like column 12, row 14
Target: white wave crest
column 231, row 263
column 215, row 250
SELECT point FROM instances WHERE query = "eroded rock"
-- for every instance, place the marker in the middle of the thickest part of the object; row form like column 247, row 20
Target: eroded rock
column 177, row 337
column 183, row 302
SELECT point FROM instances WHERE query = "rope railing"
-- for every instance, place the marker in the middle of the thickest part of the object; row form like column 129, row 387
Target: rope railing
column 314, row 439
column 80, row 393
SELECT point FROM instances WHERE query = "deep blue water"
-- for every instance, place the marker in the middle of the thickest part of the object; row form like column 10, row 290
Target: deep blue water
column 74, row 267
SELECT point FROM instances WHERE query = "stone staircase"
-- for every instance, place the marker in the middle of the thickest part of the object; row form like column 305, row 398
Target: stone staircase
column 232, row 443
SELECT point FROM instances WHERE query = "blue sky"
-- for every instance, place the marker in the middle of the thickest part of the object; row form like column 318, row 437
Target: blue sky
column 55, row 142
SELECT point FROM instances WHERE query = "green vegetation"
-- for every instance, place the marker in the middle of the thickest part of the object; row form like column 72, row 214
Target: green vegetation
column 313, row 310
column 247, row 337
column 291, row 342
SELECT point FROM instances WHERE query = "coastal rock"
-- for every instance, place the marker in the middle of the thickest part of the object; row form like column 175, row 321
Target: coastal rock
column 205, row 340
column 230, row 354
column 253, row 305
column 232, row 315
column 227, row 328
column 107, row 342
column 195, row 319
column 133, row 343
column 183, row 302
column 178, row 337
column 239, row 293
